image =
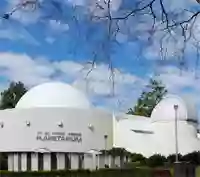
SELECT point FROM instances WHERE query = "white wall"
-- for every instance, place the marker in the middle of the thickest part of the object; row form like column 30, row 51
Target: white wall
column 47, row 161
column 161, row 140
column 135, row 142
column 34, row 161
column 16, row 136
column 101, row 161
column 60, row 161
column 10, row 162
column 74, row 161
column 88, row 161
column 165, row 137
column 24, row 161
column 16, row 160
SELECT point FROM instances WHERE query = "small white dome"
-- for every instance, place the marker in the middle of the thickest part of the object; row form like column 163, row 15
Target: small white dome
column 165, row 110
column 53, row 94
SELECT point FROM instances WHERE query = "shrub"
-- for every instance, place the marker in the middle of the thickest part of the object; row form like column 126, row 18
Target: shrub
column 156, row 160
column 193, row 157
column 136, row 172
column 138, row 158
column 172, row 158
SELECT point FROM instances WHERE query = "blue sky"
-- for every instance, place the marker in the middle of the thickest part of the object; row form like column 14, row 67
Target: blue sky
column 39, row 46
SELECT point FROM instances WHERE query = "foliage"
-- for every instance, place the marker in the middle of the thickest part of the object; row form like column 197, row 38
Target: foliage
column 138, row 158
column 172, row 158
column 12, row 94
column 156, row 160
column 116, row 152
column 83, row 173
column 193, row 158
column 149, row 99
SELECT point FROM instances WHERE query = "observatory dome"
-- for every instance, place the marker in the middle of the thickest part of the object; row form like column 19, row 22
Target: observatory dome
column 53, row 94
column 165, row 110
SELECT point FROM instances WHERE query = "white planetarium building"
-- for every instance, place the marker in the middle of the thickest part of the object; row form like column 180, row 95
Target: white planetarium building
column 54, row 126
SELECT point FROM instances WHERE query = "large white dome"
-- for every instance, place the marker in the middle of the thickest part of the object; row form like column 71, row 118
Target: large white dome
column 53, row 94
column 165, row 111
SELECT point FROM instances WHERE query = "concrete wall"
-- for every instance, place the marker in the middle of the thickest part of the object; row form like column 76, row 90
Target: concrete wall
column 159, row 136
column 60, row 161
column 17, row 136
column 24, row 162
column 34, row 161
column 47, row 161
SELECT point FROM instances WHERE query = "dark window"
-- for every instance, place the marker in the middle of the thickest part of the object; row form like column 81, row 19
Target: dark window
column 19, row 161
column 192, row 121
column 40, row 161
column 67, row 161
column 80, row 161
column 143, row 131
column 3, row 161
column 53, row 161
column 29, row 161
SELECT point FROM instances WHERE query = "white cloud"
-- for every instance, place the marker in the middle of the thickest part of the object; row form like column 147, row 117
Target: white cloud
column 100, row 81
column 33, row 71
column 181, row 82
column 77, row 2
column 176, row 79
column 22, row 67
column 58, row 26
column 137, row 27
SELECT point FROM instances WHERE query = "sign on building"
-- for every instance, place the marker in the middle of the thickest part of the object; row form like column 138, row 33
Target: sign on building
column 59, row 136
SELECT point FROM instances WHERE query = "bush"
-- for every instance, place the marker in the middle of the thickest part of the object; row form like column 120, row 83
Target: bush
column 156, row 160
column 83, row 173
column 172, row 158
column 193, row 157
column 138, row 158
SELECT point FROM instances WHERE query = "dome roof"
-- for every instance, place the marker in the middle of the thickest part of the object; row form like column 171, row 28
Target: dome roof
column 53, row 94
column 165, row 111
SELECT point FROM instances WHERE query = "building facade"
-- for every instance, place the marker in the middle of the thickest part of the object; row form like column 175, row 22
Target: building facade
column 55, row 127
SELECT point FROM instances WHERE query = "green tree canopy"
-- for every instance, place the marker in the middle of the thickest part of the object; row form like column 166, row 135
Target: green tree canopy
column 149, row 98
column 11, row 95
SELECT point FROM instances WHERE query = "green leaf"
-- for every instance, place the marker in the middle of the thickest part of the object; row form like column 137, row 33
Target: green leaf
column 149, row 99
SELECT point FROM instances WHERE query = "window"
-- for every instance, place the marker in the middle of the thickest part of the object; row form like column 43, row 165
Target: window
column 67, row 161
column 192, row 121
column 142, row 131
column 53, row 161
column 40, row 161
column 80, row 161
column 3, row 161
column 29, row 161
column 19, row 161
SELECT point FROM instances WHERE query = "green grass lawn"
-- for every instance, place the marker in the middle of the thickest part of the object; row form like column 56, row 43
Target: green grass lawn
column 198, row 172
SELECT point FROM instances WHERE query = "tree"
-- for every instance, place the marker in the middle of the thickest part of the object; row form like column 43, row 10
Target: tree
column 158, row 29
column 11, row 96
column 156, row 160
column 167, row 26
column 149, row 99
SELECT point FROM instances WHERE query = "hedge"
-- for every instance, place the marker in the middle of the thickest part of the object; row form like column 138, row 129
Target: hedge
column 158, row 160
column 136, row 172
